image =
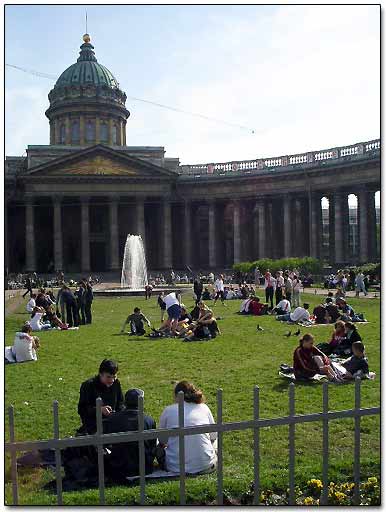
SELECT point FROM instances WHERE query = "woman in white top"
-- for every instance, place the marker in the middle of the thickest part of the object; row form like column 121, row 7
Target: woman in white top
column 31, row 303
column 24, row 345
column 296, row 287
column 200, row 453
column 36, row 320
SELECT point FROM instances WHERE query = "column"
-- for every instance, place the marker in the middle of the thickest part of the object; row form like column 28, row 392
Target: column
column 236, row 233
column 316, row 227
column 111, row 126
column 166, row 232
column 58, row 237
column 85, row 230
column 6, row 238
column 114, row 248
column 30, row 235
column 212, row 235
column 372, row 226
column 287, row 226
column 140, row 219
column 52, row 132
column 260, row 209
column 363, row 205
column 124, row 132
column 57, row 131
column 338, row 231
column 187, row 234
column 121, row 132
column 67, row 132
column 82, row 137
column 97, row 130
column 298, row 238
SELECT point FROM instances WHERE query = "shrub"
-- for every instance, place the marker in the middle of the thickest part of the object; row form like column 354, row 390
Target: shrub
column 304, row 265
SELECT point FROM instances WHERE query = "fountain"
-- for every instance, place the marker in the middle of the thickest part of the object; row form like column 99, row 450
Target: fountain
column 134, row 271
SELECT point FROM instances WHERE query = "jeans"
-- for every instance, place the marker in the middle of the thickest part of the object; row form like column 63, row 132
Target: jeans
column 269, row 295
column 87, row 309
column 72, row 314
column 295, row 298
column 284, row 318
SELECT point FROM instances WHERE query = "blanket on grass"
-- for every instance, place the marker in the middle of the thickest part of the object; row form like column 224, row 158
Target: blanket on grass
column 322, row 378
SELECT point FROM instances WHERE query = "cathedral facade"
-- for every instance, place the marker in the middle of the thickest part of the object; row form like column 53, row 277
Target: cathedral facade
column 69, row 205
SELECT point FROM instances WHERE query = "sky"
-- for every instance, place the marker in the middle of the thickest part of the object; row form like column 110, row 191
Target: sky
column 302, row 77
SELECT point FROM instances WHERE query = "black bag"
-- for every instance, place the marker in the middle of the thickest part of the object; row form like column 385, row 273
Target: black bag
column 80, row 464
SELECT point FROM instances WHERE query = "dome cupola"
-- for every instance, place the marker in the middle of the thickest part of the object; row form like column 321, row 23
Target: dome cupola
column 86, row 104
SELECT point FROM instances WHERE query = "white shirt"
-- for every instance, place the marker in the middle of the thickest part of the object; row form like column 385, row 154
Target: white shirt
column 280, row 281
column 299, row 315
column 270, row 282
column 284, row 305
column 170, row 300
column 219, row 285
column 245, row 306
column 30, row 305
column 23, row 348
column 297, row 284
column 35, row 322
column 199, row 452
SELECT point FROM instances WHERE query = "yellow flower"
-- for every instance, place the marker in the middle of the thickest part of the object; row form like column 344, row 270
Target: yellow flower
column 308, row 501
column 315, row 482
column 372, row 480
column 340, row 496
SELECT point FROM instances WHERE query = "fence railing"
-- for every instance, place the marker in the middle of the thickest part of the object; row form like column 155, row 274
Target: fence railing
column 256, row 424
column 245, row 166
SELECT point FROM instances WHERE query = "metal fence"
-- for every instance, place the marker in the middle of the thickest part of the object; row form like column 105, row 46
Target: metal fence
column 256, row 424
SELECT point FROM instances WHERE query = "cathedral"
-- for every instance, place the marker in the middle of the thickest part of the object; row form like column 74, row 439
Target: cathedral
column 69, row 205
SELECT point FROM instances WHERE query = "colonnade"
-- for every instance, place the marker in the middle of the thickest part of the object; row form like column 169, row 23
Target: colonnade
column 273, row 226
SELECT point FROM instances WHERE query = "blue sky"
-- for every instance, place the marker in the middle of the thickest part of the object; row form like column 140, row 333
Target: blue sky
column 304, row 77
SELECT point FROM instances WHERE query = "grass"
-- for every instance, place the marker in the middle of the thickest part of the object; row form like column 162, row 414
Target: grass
column 236, row 361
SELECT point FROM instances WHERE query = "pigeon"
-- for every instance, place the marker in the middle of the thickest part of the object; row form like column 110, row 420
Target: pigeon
column 288, row 334
column 297, row 332
column 259, row 328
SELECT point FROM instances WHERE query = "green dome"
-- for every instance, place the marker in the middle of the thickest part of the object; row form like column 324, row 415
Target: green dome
column 87, row 71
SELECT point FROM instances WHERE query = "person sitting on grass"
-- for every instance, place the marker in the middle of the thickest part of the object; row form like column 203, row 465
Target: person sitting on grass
column 338, row 335
column 36, row 321
column 184, row 321
column 54, row 320
column 283, row 307
column 300, row 314
column 206, row 294
column 351, row 336
column 332, row 311
column 136, row 321
column 31, row 303
column 195, row 313
column 356, row 365
column 257, row 308
column 123, row 459
column 320, row 314
column 25, row 345
column 104, row 385
column 205, row 327
column 200, row 449
column 309, row 360
column 162, row 305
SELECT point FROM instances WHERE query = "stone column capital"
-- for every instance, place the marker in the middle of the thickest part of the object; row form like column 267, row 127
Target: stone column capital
column 85, row 199
column 114, row 199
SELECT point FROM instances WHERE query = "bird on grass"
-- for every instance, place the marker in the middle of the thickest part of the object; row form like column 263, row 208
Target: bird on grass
column 259, row 328
column 297, row 332
column 288, row 334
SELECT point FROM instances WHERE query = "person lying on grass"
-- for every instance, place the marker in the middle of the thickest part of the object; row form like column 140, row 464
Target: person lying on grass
column 300, row 314
column 104, row 385
column 136, row 321
column 309, row 360
column 355, row 365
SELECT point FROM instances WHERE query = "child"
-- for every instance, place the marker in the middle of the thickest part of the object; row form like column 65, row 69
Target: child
column 162, row 305
column 136, row 320
column 355, row 365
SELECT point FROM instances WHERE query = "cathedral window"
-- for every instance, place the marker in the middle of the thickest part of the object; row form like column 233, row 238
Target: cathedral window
column 90, row 131
column 104, row 132
column 75, row 132
column 62, row 134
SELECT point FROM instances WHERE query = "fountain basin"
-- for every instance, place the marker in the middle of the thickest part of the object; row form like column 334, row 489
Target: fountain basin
column 130, row 292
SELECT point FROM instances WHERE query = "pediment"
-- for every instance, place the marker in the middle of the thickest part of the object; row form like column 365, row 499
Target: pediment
column 100, row 161
column 96, row 165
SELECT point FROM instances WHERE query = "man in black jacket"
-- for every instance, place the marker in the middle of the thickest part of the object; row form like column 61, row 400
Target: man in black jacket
column 124, row 457
column 197, row 288
column 104, row 385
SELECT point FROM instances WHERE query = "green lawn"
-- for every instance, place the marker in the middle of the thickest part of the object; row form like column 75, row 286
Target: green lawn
column 236, row 361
